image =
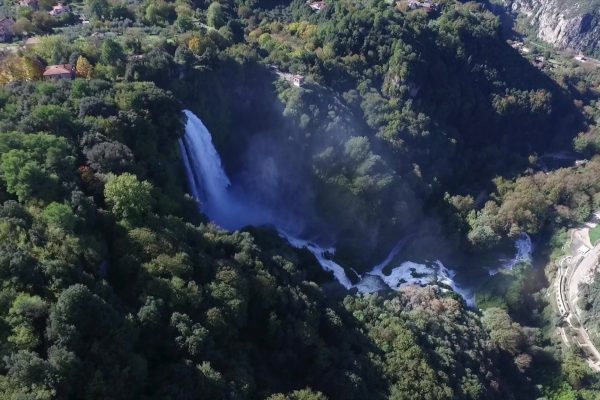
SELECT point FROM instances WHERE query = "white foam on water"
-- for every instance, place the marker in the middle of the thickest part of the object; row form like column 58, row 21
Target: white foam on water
column 324, row 256
column 523, row 254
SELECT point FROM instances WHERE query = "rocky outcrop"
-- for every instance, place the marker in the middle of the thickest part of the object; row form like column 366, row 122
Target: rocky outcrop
column 567, row 24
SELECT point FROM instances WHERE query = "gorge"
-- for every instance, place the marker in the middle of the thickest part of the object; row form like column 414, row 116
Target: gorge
column 233, row 208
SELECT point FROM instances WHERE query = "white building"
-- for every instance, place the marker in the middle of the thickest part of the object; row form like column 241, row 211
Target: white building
column 60, row 9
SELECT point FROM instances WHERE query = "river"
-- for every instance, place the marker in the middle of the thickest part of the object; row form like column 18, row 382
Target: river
column 232, row 209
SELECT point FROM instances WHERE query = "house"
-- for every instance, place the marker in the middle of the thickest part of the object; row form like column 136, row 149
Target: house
column 317, row 5
column 583, row 249
column 517, row 45
column 6, row 29
column 60, row 71
column 580, row 57
column 60, row 9
column 426, row 5
column 539, row 62
column 298, row 80
column 33, row 4
column 429, row 6
column 520, row 47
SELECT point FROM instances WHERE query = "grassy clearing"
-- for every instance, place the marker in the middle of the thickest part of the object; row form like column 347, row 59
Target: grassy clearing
column 595, row 235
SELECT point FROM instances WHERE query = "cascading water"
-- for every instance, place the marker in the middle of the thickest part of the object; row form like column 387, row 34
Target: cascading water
column 210, row 185
column 524, row 248
column 232, row 209
column 524, row 251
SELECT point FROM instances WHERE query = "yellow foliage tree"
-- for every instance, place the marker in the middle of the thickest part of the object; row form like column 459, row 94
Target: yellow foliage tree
column 31, row 69
column 84, row 68
column 194, row 44
column 15, row 68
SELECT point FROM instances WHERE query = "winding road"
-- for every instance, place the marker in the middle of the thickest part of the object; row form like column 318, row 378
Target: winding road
column 577, row 268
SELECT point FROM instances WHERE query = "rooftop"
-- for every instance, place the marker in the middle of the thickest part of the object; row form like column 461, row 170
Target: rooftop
column 59, row 69
column 317, row 5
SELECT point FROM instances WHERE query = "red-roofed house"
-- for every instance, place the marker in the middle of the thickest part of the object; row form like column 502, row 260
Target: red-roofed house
column 60, row 71
column 6, row 29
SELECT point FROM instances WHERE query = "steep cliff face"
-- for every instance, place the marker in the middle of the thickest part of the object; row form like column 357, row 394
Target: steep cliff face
column 573, row 24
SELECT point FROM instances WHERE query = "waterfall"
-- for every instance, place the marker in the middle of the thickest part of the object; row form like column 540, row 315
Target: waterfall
column 523, row 254
column 233, row 209
column 205, row 159
column 524, row 248
column 210, row 185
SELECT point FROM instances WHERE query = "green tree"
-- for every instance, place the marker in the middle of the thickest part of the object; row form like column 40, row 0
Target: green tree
column 26, row 317
column 575, row 371
column 42, row 21
column 184, row 56
column 59, row 216
column 50, row 118
column 29, row 375
column 111, row 53
column 23, row 26
column 159, row 12
column 184, row 23
column 304, row 394
column 33, row 164
column 215, row 16
column 507, row 334
column 97, row 9
column 128, row 197
column 27, row 179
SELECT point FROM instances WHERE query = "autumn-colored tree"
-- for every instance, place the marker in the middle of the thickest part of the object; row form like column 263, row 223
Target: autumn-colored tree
column 194, row 44
column 84, row 68
column 31, row 69
column 14, row 68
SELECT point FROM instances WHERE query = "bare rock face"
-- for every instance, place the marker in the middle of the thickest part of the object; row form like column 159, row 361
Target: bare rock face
column 567, row 24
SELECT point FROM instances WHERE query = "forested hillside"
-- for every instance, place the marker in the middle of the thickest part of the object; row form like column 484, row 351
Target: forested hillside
column 109, row 293
column 384, row 124
column 364, row 122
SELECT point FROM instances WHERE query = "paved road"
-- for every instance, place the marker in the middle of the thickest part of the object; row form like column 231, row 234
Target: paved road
column 572, row 271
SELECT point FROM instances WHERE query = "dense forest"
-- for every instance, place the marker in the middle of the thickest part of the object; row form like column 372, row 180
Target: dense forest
column 109, row 293
column 408, row 121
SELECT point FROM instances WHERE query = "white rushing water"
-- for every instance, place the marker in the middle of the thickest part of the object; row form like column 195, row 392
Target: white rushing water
column 232, row 209
column 524, row 251
column 210, row 185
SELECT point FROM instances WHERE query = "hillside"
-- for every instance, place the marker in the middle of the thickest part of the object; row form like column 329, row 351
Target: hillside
column 565, row 24
column 356, row 126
